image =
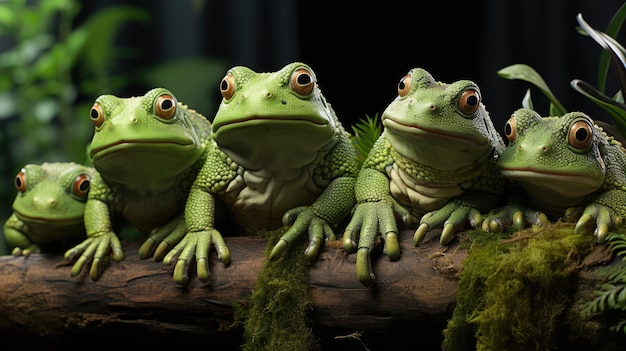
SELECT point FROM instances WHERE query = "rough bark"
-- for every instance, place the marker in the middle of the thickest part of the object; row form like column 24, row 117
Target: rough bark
column 38, row 298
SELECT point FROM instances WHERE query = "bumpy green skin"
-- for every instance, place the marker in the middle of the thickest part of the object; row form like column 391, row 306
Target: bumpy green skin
column 435, row 160
column 564, row 166
column 279, row 156
column 48, row 208
column 147, row 151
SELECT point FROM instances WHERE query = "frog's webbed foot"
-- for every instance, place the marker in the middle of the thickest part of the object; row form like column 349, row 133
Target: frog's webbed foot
column 163, row 238
column 368, row 221
column 602, row 217
column 452, row 217
column 197, row 244
column 303, row 219
column 96, row 249
column 517, row 217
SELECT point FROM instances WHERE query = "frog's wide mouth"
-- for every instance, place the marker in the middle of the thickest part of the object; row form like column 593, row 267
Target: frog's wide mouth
column 38, row 218
column 150, row 143
column 265, row 119
column 418, row 130
column 530, row 174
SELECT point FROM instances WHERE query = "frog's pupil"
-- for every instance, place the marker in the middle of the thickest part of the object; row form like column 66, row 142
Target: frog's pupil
column 401, row 85
column 18, row 182
column 472, row 100
column 507, row 129
column 224, row 85
column 94, row 113
column 304, row 79
column 166, row 104
column 84, row 186
column 581, row 134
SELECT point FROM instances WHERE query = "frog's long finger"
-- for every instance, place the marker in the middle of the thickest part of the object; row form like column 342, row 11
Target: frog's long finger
column 603, row 223
column 147, row 249
column 315, row 242
column 518, row 221
column 180, row 272
column 364, row 267
column 85, row 257
column 420, row 233
column 173, row 253
column 392, row 246
column 404, row 214
column 80, row 248
column 447, row 234
column 584, row 221
column 279, row 249
column 223, row 253
column 116, row 248
column 203, row 248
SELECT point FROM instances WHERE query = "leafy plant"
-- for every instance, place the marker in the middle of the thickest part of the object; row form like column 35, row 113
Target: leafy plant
column 614, row 54
column 366, row 132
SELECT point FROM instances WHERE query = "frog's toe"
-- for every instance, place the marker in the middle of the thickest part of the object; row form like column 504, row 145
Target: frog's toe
column 203, row 269
column 392, row 246
column 583, row 222
column 420, row 233
column 279, row 249
column 147, row 249
column 180, row 272
column 97, row 267
column 364, row 267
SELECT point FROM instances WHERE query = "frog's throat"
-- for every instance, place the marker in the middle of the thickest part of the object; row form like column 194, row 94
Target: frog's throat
column 438, row 149
column 553, row 186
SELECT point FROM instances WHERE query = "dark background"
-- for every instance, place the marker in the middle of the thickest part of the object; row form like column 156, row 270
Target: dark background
column 360, row 50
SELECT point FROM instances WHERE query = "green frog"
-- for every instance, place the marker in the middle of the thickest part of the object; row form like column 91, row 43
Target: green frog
column 435, row 160
column 562, row 166
column 48, row 208
column 279, row 156
column 147, row 151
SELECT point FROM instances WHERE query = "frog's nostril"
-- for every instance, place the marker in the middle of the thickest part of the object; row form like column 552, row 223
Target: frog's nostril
column 544, row 149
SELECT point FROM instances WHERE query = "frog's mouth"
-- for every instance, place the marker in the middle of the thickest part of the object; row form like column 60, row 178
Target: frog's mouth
column 568, row 184
column 150, row 143
column 217, row 125
column 39, row 219
column 435, row 134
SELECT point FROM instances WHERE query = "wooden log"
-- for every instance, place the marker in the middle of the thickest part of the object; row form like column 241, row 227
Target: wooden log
column 138, row 298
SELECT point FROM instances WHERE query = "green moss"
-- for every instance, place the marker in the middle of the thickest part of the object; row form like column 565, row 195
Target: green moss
column 276, row 316
column 512, row 293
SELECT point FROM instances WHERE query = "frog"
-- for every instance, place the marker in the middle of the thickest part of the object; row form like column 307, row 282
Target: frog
column 279, row 157
column 48, row 207
column 435, row 160
column 561, row 167
column 147, row 151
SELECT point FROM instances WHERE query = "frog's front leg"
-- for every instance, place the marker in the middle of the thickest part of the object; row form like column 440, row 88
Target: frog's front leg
column 201, row 236
column 605, row 212
column 330, row 208
column 101, row 241
column 162, row 239
column 15, row 237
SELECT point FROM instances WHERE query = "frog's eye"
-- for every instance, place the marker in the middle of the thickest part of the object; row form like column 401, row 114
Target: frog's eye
column 302, row 82
column 96, row 114
column 510, row 129
column 469, row 102
column 580, row 135
column 227, row 86
column 20, row 181
column 81, row 185
column 404, row 86
column 165, row 106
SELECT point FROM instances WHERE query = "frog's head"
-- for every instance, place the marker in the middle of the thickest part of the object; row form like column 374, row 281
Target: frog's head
column 52, row 195
column 279, row 117
column 555, row 159
column 444, row 126
column 143, row 138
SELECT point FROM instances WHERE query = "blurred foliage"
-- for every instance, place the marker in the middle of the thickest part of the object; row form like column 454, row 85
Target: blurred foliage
column 613, row 55
column 53, row 64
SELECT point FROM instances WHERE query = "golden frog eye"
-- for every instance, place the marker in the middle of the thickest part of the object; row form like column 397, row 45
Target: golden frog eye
column 510, row 129
column 404, row 85
column 20, row 181
column 469, row 102
column 227, row 86
column 96, row 114
column 580, row 135
column 302, row 81
column 165, row 106
column 81, row 185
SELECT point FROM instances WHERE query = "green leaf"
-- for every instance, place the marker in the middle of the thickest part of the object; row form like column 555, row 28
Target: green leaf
column 527, row 101
column 616, row 110
column 527, row 73
column 366, row 132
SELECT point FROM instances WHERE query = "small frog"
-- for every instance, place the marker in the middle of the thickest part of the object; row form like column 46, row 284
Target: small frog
column 279, row 156
column 48, row 208
column 563, row 166
column 147, row 151
column 435, row 160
